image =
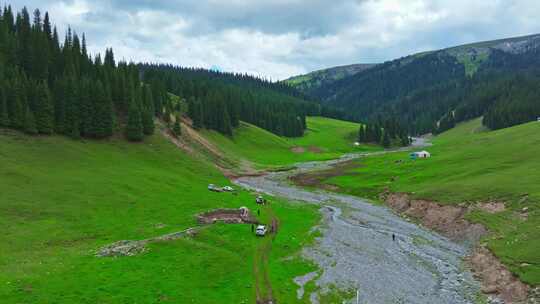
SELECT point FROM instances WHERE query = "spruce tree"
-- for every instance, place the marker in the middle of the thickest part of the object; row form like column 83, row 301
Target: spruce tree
column 224, row 122
column 148, row 121
column 45, row 110
column 386, row 140
column 148, row 112
column 198, row 114
column 18, row 114
column 30, row 122
column 103, row 112
column 134, row 128
column 4, row 117
column 177, row 131
column 87, row 110
column 361, row 134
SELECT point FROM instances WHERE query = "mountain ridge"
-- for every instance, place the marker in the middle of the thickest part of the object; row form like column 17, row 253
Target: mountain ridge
column 423, row 89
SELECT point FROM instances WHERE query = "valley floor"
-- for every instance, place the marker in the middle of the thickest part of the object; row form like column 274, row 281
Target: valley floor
column 63, row 200
column 469, row 167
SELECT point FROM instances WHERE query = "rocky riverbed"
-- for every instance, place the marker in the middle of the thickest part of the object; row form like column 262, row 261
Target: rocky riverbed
column 368, row 248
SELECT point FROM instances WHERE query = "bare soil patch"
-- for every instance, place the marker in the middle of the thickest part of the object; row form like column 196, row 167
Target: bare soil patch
column 315, row 149
column 445, row 219
column 131, row 248
column 315, row 179
column 496, row 278
column 492, row 207
column 298, row 150
column 229, row 216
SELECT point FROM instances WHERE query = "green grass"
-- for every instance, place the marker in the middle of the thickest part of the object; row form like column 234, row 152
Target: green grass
column 472, row 63
column 469, row 164
column 295, row 81
column 61, row 200
column 325, row 139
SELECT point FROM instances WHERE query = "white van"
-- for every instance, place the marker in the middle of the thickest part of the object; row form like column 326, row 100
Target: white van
column 261, row 230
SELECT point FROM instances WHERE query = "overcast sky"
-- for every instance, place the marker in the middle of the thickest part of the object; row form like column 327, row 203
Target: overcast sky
column 281, row 38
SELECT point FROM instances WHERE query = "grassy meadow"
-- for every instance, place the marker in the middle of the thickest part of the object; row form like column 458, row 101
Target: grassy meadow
column 61, row 200
column 470, row 164
column 324, row 139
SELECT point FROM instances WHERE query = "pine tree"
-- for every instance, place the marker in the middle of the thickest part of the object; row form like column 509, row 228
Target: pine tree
column 29, row 122
column 386, row 140
column 134, row 128
column 87, row 110
column 59, row 106
column 4, row 117
column 103, row 113
column 361, row 134
column 148, row 112
column 226, row 127
column 405, row 141
column 45, row 110
column 148, row 121
column 177, row 131
column 18, row 114
column 167, row 115
column 198, row 114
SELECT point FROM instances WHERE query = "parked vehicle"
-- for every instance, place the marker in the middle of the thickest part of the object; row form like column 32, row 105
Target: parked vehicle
column 212, row 187
column 228, row 189
column 261, row 230
column 260, row 200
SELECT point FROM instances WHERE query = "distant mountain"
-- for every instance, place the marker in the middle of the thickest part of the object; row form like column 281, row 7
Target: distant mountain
column 424, row 90
column 309, row 83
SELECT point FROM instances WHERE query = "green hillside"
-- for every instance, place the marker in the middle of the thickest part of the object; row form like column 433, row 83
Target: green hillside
column 431, row 91
column 309, row 82
column 61, row 200
column 469, row 164
column 324, row 139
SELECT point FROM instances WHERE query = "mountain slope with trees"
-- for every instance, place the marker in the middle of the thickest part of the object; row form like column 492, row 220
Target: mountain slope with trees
column 48, row 86
column 219, row 101
column 51, row 87
column 311, row 82
column 430, row 92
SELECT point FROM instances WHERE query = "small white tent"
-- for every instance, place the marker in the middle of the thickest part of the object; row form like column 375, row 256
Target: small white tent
column 422, row 154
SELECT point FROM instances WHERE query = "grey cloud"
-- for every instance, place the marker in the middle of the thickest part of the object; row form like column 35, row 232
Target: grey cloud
column 283, row 37
column 307, row 17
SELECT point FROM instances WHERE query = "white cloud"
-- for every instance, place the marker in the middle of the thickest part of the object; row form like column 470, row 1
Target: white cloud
column 281, row 38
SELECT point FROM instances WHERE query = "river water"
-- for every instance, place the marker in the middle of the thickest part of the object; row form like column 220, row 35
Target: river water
column 357, row 251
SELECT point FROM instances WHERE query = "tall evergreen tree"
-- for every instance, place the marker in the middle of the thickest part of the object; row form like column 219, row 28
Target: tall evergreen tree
column 148, row 112
column 386, row 140
column 177, row 130
column 17, row 114
column 29, row 122
column 103, row 113
column 134, row 128
column 4, row 117
column 45, row 110
column 87, row 110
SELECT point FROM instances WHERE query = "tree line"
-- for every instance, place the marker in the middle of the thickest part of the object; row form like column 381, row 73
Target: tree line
column 218, row 101
column 385, row 133
column 48, row 86
column 51, row 87
column 431, row 93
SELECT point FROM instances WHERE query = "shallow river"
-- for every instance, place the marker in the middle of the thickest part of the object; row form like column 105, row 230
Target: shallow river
column 357, row 252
